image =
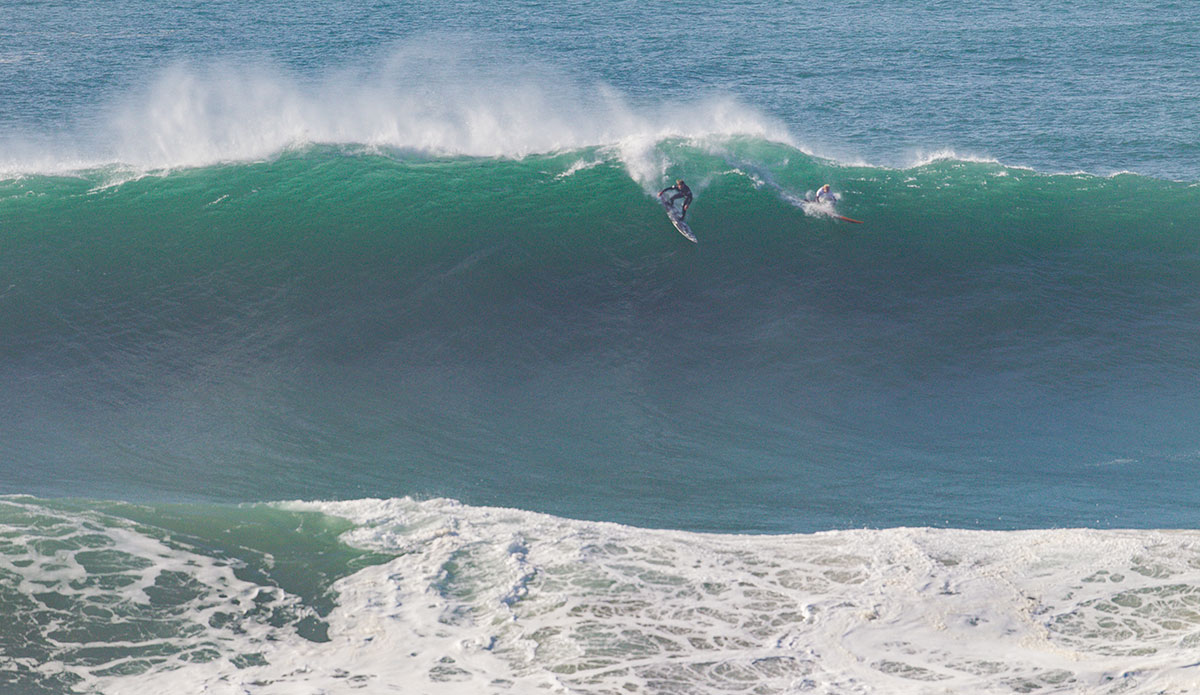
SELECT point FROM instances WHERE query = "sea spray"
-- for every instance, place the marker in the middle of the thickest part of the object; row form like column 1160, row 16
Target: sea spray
column 419, row 98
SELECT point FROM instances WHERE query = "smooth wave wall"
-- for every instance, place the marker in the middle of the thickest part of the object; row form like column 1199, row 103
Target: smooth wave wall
column 520, row 331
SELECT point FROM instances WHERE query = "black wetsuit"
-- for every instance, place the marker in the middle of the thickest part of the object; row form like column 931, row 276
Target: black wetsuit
column 681, row 191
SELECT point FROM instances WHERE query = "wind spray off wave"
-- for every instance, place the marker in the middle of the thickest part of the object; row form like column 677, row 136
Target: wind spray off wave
column 422, row 98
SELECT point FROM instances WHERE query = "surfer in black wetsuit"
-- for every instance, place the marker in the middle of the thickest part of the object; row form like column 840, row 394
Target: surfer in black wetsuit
column 681, row 191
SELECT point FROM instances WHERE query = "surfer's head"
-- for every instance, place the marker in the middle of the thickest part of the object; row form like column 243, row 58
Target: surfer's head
column 678, row 182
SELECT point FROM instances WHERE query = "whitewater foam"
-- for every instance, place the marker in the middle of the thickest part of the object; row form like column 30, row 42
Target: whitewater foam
column 94, row 598
column 495, row 599
column 611, row 608
column 483, row 599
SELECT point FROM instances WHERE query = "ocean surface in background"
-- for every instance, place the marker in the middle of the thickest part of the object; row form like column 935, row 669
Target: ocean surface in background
column 344, row 347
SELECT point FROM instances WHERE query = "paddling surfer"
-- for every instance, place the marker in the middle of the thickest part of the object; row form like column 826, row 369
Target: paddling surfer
column 824, row 195
column 681, row 191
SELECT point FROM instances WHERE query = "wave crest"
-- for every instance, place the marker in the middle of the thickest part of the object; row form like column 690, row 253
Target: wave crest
column 421, row 97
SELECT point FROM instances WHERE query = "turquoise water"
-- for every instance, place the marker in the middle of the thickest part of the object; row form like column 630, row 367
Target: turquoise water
column 337, row 333
column 349, row 325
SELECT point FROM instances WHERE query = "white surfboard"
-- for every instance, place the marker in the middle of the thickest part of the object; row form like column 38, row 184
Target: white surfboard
column 677, row 221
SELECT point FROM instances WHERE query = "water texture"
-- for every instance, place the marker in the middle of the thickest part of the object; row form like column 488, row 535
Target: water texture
column 345, row 347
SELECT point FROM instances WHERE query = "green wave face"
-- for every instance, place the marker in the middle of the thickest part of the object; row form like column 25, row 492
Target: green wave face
column 338, row 322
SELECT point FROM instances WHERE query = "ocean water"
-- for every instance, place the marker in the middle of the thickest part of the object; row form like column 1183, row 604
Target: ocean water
column 344, row 348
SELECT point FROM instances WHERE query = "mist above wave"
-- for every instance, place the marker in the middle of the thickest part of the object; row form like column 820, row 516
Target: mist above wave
column 429, row 96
